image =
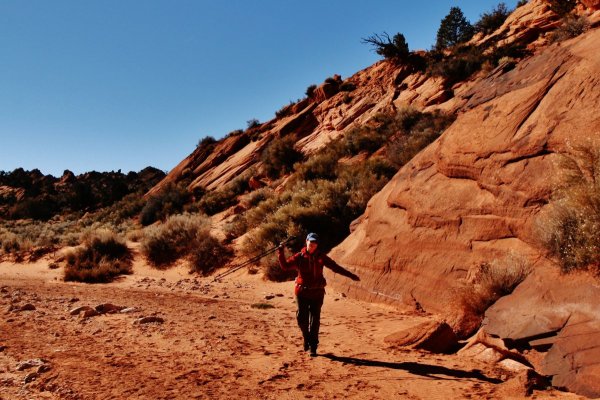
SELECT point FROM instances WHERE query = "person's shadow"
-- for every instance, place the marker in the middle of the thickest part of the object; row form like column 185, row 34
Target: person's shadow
column 427, row 370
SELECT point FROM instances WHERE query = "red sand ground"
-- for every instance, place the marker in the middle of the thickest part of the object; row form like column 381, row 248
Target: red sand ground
column 214, row 345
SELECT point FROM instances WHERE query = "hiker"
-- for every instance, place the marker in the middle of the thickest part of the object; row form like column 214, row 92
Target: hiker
column 310, row 287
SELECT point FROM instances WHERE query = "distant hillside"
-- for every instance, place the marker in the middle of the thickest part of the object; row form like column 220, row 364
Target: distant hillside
column 31, row 194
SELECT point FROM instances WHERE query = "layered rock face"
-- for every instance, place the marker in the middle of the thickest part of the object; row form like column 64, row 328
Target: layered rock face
column 473, row 196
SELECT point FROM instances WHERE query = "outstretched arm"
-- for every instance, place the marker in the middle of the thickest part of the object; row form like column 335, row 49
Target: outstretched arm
column 338, row 269
column 285, row 264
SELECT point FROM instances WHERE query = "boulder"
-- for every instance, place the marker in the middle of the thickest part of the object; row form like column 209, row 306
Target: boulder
column 523, row 384
column 148, row 320
column 108, row 308
column 433, row 336
column 77, row 310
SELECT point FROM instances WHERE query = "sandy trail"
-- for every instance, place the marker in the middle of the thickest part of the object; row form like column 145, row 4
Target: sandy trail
column 213, row 344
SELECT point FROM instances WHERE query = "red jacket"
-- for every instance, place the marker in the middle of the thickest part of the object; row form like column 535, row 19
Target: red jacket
column 310, row 268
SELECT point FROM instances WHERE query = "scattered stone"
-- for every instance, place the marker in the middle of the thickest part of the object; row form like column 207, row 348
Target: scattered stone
column 129, row 310
column 2, row 348
column 89, row 313
column 36, row 362
column 27, row 307
column 212, row 317
column 74, row 300
column 433, row 336
column 32, row 376
column 76, row 311
column 43, row 368
column 512, row 365
column 149, row 320
column 108, row 308
column 269, row 297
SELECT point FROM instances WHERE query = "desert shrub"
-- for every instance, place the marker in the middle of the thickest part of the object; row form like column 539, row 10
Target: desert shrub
column 562, row 7
column 220, row 199
column 492, row 281
column 394, row 48
column 206, row 142
column 310, row 91
column 184, row 236
column 457, row 66
column 490, row 21
column 235, row 228
column 40, row 208
column 169, row 201
column 252, row 123
column 571, row 27
column 279, row 157
column 318, row 166
column 521, row 3
column 207, row 254
column 347, row 86
column 423, row 129
column 101, row 258
column 569, row 228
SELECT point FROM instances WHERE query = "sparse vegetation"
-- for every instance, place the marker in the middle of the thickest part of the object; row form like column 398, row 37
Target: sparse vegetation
column 491, row 282
column 101, row 258
column 569, row 229
column 310, row 91
column 184, row 236
column 572, row 26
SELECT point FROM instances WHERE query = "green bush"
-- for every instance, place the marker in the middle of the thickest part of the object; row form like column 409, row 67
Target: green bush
column 220, row 199
column 184, row 236
column 101, row 258
column 310, row 91
column 279, row 157
column 454, row 29
column 171, row 200
column 490, row 21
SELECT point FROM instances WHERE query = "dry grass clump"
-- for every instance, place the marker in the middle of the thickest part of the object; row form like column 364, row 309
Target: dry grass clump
column 569, row 228
column 101, row 258
column 490, row 282
column 184, row 236
column 572, row 26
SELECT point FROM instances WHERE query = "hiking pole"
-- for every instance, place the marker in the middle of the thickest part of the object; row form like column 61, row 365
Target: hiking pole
column 252, row 260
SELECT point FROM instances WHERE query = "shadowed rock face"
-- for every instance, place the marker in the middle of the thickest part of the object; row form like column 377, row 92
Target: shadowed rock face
column 472, row 197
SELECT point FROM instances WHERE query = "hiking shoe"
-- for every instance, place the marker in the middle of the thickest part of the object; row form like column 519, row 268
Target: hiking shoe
column 313, row 351
column 306, row 345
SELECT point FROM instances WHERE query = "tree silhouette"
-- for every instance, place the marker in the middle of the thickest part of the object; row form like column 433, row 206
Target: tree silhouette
column 394, row 48
column 454, row 29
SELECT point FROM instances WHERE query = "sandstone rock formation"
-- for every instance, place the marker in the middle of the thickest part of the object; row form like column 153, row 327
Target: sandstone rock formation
column 473, row 196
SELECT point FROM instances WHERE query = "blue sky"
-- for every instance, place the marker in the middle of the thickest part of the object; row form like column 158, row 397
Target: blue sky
column 123, row 84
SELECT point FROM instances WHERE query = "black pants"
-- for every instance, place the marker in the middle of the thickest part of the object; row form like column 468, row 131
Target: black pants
column 309, row 315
